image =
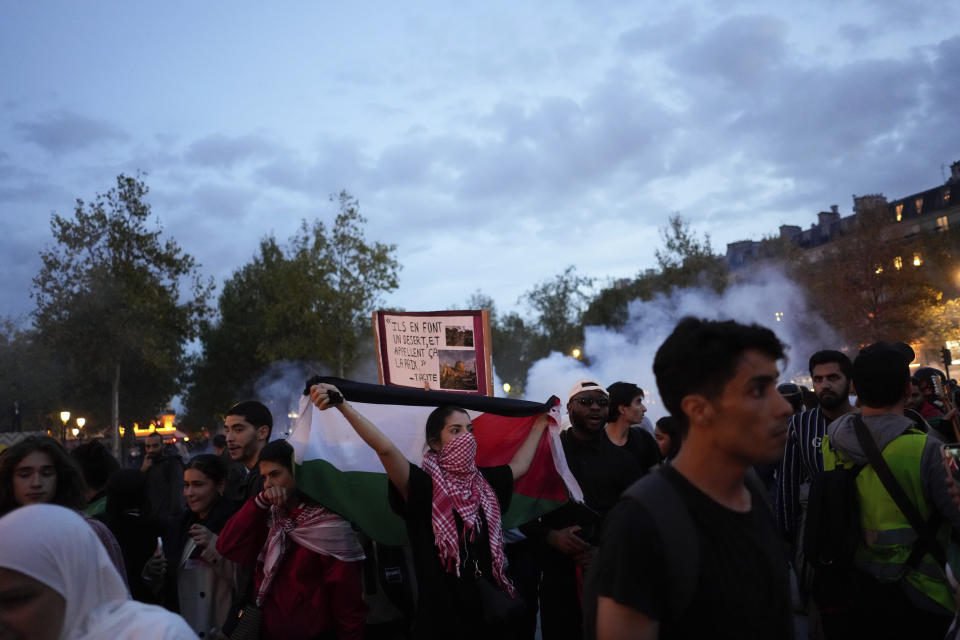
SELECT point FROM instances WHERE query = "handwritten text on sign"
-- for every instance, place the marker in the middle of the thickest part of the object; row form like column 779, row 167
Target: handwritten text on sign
column 437, row 350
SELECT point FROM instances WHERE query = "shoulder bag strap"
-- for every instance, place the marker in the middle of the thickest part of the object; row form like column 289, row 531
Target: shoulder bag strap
column 926, row 536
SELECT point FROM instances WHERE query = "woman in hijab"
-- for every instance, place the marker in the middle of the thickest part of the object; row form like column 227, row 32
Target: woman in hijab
column 57, row 583
column 452, row 511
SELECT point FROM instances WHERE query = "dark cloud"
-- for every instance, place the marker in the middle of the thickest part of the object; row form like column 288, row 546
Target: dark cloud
column 656, row 36
column 855, row 34
column 222, row 151
column 337, row 164
column 743, row 51
column 33, row 191
column 65, row 131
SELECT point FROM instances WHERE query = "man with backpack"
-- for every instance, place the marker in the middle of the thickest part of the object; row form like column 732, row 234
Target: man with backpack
column 894, row 585
column 831, row 372
column 692, row 551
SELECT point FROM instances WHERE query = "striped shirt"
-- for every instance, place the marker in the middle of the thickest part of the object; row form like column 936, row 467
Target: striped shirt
column 802, row 459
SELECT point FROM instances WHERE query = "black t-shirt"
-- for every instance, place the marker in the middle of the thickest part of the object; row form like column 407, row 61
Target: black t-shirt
column 602, row 469
column 447, row 606
column 742, row 589
column 644, row 448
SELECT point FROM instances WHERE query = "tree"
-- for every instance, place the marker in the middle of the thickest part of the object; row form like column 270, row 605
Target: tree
column 31, row 378
column 309, row 301
column 359, row 273
column 118, row 302
column 685, row 261
column 558, row 305
column 867, row 285
column 941, row 321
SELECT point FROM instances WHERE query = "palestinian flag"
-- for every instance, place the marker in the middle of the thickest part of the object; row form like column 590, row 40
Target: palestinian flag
column 335, row 467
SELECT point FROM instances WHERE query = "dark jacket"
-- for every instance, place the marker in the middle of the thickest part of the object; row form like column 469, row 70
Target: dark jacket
column 164, row 488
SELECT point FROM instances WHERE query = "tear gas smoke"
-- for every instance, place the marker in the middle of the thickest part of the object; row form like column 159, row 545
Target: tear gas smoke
column 767, row 298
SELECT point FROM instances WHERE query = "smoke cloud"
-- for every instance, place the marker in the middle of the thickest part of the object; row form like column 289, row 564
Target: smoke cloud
column 280, row 385
column 766, row 297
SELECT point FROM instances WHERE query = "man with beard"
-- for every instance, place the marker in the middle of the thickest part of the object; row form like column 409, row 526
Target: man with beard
column 164, row 484
column 247, row 425
column 567, row 538
column 831, row 372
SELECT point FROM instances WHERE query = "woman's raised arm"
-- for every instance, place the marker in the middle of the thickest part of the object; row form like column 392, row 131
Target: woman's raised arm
column 392, row 459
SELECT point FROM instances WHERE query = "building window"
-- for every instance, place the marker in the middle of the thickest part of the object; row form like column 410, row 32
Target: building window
column 898, row 263
column 942, row 223
column 899, row 212
column 919, row 204
column 917, row 261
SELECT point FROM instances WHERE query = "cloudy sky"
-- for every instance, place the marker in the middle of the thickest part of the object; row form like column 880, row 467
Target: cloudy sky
column 493, row 143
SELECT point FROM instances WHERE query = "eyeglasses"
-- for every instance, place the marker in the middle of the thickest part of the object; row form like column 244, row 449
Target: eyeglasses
column 600, row 402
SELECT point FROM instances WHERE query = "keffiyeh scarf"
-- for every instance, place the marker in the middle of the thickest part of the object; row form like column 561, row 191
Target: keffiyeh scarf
column 316, row 528
column 459, row 486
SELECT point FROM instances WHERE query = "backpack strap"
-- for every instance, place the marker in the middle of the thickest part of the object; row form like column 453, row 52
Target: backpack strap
column 678, row 537
column 926, row 536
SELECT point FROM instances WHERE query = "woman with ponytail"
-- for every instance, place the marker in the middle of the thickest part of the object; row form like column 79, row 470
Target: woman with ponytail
column 452, row 510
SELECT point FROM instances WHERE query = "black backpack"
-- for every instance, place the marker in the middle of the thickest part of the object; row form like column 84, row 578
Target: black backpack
column 832, row 533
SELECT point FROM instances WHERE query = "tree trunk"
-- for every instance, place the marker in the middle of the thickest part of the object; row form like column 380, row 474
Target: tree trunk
column 115, row 413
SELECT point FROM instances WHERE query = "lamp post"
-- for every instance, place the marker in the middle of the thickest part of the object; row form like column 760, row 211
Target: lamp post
column 80, row 422
column 64, row 418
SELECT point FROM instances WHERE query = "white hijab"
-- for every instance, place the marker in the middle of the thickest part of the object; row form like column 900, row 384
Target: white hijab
column 55, row 546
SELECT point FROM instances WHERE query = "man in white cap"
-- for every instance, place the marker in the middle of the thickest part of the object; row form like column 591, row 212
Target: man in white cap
column 570, row 535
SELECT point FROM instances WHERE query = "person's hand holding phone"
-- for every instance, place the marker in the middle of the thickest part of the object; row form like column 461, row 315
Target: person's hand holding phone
column 951, row 464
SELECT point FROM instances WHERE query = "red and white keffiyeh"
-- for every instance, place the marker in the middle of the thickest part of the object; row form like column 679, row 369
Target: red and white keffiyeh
column 316, row 528
column 459, row 486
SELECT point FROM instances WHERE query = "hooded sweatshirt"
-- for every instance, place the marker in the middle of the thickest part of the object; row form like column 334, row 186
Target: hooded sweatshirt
column 885, row 428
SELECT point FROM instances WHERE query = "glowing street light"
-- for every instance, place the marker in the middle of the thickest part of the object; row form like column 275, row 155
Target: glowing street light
column 81, row 422
column 64, row 418
column 506, row 387
column 576, row 353
column 779, row 316
column 75, row 431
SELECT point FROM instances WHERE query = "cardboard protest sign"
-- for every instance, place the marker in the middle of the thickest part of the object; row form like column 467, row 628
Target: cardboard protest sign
column 447, row 350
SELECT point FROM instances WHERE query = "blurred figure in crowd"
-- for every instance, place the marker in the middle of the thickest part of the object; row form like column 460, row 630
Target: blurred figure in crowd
column 56, row 582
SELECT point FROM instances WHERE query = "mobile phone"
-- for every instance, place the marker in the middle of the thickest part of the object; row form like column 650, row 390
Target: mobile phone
column 951, row 454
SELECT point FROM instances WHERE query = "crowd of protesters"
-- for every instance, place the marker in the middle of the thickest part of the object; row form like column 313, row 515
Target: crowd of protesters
column 692, row 527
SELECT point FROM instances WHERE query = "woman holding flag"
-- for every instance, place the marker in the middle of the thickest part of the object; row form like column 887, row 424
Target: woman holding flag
column 452, row 512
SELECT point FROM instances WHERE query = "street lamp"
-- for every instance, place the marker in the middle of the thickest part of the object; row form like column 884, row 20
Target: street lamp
column 506, row 387
column 81, row 422
column 576, row 353
column 64, row 418
column 75, row 432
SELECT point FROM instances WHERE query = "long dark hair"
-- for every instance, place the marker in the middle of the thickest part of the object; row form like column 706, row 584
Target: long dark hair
column 70, row 485
column 438, row 419
column 669, row 426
